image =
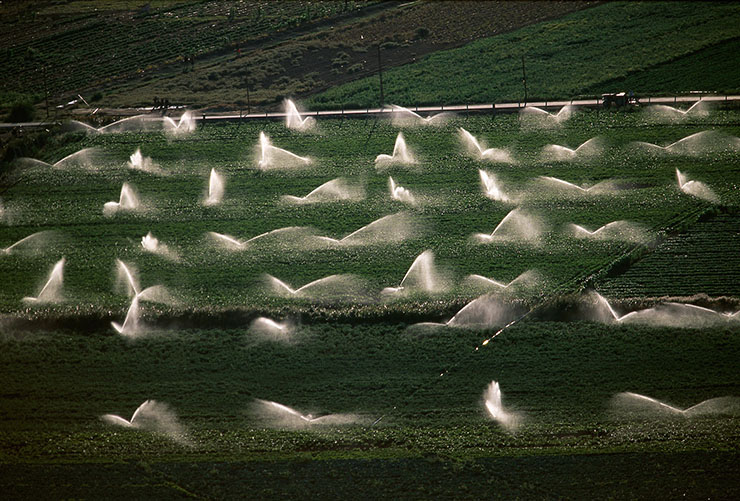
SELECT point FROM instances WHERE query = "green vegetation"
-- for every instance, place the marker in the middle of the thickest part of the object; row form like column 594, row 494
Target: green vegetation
column 584, row 53
column 705, row 251
column 446, row 181
column 21, row 111
column 201, row 358
column 63, row 365
column 561, row 376
column 709, row 69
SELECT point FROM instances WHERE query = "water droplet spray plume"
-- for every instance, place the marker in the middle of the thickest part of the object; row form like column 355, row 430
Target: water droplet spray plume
column 272, row 157
column 293, row 118
column 216, row 188
column 51, row 292
column 402, row 154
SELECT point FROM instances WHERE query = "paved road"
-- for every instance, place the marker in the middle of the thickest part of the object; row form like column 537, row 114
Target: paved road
column 497, row 107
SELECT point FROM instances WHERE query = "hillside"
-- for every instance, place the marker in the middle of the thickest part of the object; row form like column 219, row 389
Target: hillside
column 659, row 47
column 208, row 54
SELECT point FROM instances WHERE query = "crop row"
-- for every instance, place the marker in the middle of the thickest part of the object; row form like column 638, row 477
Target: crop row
column 702, row 259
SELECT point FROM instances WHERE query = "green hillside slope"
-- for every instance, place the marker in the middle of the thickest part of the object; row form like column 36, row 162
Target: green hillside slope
column 577, row 54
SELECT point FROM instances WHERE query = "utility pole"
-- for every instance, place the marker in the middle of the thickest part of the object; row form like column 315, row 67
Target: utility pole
column 380, row 76
column 524, row 80
column 249, row 103
column 46, row 93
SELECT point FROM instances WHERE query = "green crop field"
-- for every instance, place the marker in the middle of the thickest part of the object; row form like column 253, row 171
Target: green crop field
column 450, row 207
column 414, row 394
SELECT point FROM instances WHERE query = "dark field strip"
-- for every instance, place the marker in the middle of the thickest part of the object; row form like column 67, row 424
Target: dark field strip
column 118, row 42
column 692, row 475
column 560, row 376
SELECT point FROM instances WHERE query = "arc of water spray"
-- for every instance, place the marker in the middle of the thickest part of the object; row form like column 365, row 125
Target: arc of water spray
column 268, row 151
column 155, row 293
column 695, row 188
column 124, row 121
column 566, row 184
column 127, row 200
column 394, row 227
column 529, row 275
column 617, row 317
column 237, row 243
column 226, row 239
column 49, row 292
column 185, row 125
column 336, row 189
column 705, row 310
column 266, row 325
column 658, row 108
column 581, row 229
column 483, row 153
column 124, row 272
column 25, row 240
column 279, row 284
column 421, row 273
column 493, row 402
column 491, row 188
column 558, row 152
column 400, row 193
column 615, row 230
column 712, row 405
column 293, row 118
column 514, row 213
column 401, row 115
column 563, row 114
column 215, row 188
column 292, row 418
column 83, row 153
column 128, row 423
column 152, row 416
column 131, row 322
column 401, row 153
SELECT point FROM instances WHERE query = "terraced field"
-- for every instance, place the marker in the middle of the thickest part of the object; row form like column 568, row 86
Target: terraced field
column 413, row 394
